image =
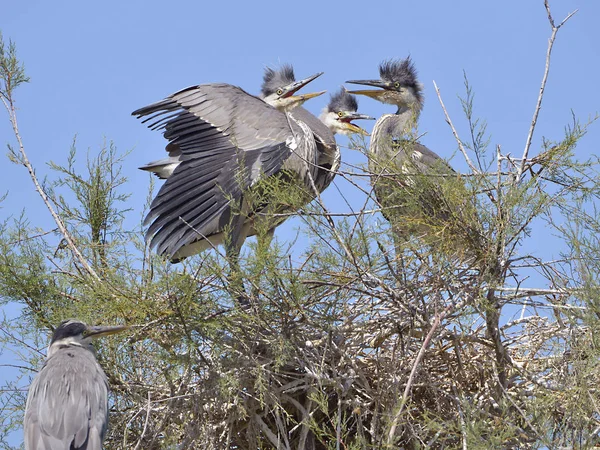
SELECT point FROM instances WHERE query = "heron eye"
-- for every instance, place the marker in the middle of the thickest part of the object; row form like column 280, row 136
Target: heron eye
column 340, row 114
column 279, row 91
column 396, row 84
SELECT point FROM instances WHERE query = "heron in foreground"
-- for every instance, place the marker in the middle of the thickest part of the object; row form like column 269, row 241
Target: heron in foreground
column 222, row 142
column 419, row 193
column 67, row 404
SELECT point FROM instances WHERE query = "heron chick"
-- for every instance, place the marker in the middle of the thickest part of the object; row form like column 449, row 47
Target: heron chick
column 339, row 113
column 418, row 191
column 337, row 117
column 67, row 403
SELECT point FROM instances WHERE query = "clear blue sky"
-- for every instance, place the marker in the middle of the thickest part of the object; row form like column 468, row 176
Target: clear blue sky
column 92, row 63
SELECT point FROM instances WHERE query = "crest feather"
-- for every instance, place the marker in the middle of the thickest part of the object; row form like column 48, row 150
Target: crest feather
column 402, row 71
column 274, row 79
column 342, row 101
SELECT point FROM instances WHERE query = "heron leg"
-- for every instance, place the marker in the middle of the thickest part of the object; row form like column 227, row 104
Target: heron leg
column 263, row 242
column 233, row 247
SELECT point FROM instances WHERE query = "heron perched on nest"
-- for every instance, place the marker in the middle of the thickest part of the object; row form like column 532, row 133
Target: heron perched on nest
column 418, row 191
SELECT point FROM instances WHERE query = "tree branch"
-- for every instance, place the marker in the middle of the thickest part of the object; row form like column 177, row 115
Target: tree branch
column 454, row 132
column 538, row 105
column 10, row 107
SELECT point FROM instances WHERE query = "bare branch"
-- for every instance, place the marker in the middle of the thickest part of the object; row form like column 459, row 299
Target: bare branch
column 454, row 132
column 538, row 105
column 12, row 113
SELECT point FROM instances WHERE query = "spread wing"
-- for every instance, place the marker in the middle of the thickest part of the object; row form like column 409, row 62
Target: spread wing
column 67, row 403
column 228, row 140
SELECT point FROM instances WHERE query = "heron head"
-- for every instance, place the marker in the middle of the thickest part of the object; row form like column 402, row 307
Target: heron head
column 341, row 111
column 279, row 87
column 398, row 83
column 75, row 332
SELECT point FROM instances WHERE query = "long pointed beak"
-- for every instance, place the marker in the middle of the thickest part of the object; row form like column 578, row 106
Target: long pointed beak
column 99, row 331
column 353, row 128
column 376, row 94
column 297, row 85
column 304, row 97
column 358, row 116
column 374, row 83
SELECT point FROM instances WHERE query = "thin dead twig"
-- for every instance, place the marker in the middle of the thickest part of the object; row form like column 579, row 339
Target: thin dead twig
column 148, row 410
column 436, row 323
column 12, row 113
column 538, row 105
column 454, row 132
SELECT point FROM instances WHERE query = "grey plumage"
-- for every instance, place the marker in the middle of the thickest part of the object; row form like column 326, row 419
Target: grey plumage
column 342, row 101
column 67, row 403
column 328, row 154
column 274, row 79
column 222, row 142
column 390, row 149
column 417, row 190
column 229, row 140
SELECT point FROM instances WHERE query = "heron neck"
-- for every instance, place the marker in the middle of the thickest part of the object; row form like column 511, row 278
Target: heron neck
column 69, row 343
column 398, row 125
column 406, row 118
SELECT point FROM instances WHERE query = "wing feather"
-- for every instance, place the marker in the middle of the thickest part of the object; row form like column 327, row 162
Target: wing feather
column 228, row 140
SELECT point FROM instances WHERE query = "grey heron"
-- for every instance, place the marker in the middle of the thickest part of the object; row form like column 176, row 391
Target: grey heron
column 280, row 118
column 67, row 404
column 336, row 117
column 223, row 144
column 414, row 186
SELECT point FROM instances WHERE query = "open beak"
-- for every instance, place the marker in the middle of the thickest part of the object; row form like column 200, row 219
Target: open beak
column 376, row 94
column 349, row 117
column 357, row 116
column 294, row 87
column 304, row 97
column 99, row 331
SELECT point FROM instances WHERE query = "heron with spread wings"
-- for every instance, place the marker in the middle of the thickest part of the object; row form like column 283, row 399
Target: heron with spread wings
column 225, row 146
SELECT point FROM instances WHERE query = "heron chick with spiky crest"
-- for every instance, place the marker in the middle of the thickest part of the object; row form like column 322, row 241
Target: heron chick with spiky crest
column 339, row 113
column 390, row 139
column 414, row 186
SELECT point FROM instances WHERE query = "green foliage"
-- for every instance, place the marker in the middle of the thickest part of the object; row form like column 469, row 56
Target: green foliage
column 12, row 72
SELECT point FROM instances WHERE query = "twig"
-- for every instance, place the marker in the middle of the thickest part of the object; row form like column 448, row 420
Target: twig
column 538, row 105
column 148, row 409
column 29, row 238
column 10, row 107
column 267, row 431
column 454, row 132
column 461, row 416
column 436, row 323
